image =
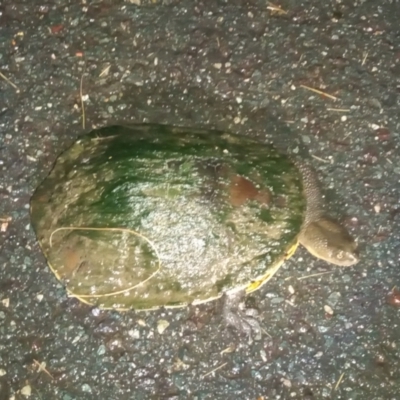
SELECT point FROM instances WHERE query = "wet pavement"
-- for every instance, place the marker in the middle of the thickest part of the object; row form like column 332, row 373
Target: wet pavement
column 242, row 66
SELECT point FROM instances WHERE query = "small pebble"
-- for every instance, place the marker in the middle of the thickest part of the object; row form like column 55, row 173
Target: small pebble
column 86, row 388
column 328, row 310
column 162, row 325
column 26, row 391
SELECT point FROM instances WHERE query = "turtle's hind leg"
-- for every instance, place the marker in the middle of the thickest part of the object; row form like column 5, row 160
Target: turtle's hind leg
column 235, row 315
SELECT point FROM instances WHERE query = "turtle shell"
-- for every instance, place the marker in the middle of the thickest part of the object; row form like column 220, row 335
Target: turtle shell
column 145, row 216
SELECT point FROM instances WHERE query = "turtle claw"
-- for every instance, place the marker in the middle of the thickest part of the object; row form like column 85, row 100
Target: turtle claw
column 237, row 316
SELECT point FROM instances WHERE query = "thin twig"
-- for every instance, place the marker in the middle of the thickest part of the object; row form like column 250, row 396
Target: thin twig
column 319, row 158
column 266, row 333
column 9, row 82
column 215, row 369
column 319, row 92
column 339, row 109
column 42, row 367
column 82, row 102
column 365, row 58
column 105, row 71
column 278, row 9
column 313, row 275
column 348, row 135
column 339, row 381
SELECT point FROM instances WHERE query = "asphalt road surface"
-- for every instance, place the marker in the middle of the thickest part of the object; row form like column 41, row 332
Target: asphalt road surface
column 244, row 66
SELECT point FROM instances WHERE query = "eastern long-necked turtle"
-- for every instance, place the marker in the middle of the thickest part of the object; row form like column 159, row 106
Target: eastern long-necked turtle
column 145, row 216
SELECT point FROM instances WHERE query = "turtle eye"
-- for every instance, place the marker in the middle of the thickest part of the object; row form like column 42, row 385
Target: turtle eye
column 339, row 255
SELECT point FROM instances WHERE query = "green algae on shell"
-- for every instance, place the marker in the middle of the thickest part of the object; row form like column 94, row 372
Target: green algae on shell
column 145, row 216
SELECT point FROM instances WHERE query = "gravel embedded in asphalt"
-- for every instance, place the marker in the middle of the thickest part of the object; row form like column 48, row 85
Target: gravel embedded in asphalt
column 242, row 66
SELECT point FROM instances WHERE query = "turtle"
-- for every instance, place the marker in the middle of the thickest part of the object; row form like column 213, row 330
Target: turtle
column 144, row 216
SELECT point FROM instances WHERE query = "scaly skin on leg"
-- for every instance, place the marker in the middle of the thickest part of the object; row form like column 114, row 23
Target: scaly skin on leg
column 235, row 315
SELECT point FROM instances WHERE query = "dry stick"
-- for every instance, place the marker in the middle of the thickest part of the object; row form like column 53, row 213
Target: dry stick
column 82, row 103
column 227, row 350
column 105, row 71
column 339, row 109
column 82, row 228
column 215, row 369
column 348, row 135
column 273, row 7
column 43, row 368
column 319, row 92
column 313, row 275
column 266, row 333
column 9, row 82
column 365, row 58
column 319, row 158
column 103, row 138
column 339, row 381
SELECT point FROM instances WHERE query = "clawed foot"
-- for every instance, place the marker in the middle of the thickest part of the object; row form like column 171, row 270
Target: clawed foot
column 236, row 315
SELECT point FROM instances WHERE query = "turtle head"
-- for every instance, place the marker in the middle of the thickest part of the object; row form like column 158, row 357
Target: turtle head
column 328, row 240
column 343, row 253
